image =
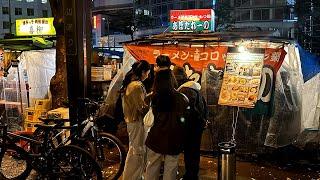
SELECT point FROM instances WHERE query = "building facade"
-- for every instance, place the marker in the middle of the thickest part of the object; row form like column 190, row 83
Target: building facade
column 152, row 16
column 309, row 25
column 11, row 10
column 112, row 21
column 273, row 15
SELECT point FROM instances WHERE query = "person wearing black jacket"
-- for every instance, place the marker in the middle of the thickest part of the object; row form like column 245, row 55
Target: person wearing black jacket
column 195, row 122
column 166, row 136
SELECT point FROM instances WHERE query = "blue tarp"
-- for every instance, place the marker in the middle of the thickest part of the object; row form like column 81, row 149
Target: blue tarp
column 310, row 64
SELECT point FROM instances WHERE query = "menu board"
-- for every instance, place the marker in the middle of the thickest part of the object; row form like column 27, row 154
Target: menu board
column 241, row 79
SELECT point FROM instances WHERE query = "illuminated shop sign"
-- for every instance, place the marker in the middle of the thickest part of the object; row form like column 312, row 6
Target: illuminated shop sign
column 35, row 27
column 192, row 20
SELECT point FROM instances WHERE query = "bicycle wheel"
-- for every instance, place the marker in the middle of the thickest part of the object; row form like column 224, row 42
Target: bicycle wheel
column 110, row 155
column 72, row 162
column 14, row 163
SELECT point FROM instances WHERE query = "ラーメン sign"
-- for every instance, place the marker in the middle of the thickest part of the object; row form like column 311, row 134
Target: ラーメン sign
column 192, row 20
column 35, row 27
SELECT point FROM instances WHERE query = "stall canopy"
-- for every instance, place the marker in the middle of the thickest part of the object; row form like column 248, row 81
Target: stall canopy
column 278, row 116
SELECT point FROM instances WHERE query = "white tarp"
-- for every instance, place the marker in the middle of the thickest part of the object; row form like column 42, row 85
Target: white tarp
column 40, row 66
column 116, row 82
column 311, row 104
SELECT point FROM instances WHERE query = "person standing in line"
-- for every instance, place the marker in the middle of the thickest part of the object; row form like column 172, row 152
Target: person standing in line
column 195, row 122
column 166, row 136
column 134, row 109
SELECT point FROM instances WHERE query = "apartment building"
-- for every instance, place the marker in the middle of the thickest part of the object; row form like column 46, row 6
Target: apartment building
column 152, row 16
column 10, row 10
column 266, row 14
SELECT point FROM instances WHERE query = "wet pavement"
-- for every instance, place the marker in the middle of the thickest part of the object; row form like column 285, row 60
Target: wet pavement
column 254, row 170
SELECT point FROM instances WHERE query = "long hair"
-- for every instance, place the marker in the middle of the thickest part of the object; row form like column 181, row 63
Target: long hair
column 163, row 90
column 135, row 73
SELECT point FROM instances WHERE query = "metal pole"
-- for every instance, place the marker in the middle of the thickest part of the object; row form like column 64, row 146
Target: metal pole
column 227, row 161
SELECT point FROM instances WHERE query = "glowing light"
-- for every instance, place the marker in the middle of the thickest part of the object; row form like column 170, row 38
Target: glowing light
column 242, row 49
column 94, row 22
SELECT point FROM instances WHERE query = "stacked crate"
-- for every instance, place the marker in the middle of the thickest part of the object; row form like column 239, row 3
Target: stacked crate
column 32, row 114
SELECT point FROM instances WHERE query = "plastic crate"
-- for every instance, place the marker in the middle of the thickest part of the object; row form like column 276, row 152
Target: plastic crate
column 32, row 114
column 42, row 104
column 29, row 126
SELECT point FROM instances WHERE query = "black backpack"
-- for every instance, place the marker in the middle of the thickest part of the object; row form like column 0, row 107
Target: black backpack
column 197, row 112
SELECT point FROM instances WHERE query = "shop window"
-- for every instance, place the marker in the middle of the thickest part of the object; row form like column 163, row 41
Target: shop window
column 280, row 2
column 164, row 9
column 260, row 2
column 30, row 12
column 170, row 7
column 261, row 14
column 243, row 15
column 278, row 13
column 6, row 25
column 191, row 4
column 239, row 3
column 184, row 5
column 44, row 13
column 18, row 11
column 205, row 4
column 5, row 10
column 176, row 5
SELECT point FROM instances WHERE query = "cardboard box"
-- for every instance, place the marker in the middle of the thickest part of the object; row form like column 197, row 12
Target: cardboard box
column 42, row 104
column 32, row 115
column 62, row 113
column 29, row 126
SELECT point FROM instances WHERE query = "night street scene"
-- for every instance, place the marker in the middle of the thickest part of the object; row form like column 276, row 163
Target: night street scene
column 160, row 89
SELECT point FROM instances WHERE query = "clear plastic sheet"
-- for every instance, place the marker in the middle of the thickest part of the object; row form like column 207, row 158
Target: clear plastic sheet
column 40, row 67
column 285, row 122
column 116, row 83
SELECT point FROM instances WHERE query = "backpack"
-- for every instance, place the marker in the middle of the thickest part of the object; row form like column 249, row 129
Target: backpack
column 197, row 112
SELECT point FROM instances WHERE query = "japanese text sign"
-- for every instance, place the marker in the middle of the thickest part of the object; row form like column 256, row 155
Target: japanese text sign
column 197, row 57
column 35, row 27
column 241, row 80
column 192, row 20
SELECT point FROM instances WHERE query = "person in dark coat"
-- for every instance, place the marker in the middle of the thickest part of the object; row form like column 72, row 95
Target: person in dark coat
column 166, row 136
column 195, row 122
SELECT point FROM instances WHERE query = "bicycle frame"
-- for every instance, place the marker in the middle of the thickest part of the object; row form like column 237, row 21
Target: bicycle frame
column 35, row 160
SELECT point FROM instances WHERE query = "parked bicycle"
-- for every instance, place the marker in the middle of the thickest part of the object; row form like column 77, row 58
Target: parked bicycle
column 109, row 151
column 64, row 162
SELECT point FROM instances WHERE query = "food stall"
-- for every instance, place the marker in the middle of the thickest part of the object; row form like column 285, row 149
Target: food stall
column 253, row 84
column 28, row 64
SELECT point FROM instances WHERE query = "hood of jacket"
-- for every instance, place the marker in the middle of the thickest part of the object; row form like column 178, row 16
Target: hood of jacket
column 191, row 84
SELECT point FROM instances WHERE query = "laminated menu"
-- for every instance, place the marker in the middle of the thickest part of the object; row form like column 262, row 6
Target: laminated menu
column 241, row 80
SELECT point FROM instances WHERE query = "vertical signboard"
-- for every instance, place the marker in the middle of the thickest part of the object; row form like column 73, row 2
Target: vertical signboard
column 241, row 80
column 70, row 26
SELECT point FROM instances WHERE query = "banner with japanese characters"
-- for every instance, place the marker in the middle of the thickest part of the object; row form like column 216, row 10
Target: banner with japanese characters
column 192, row 20
column 197, row 57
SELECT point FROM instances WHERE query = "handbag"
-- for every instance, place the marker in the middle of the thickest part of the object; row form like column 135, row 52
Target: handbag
column 148, row 118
